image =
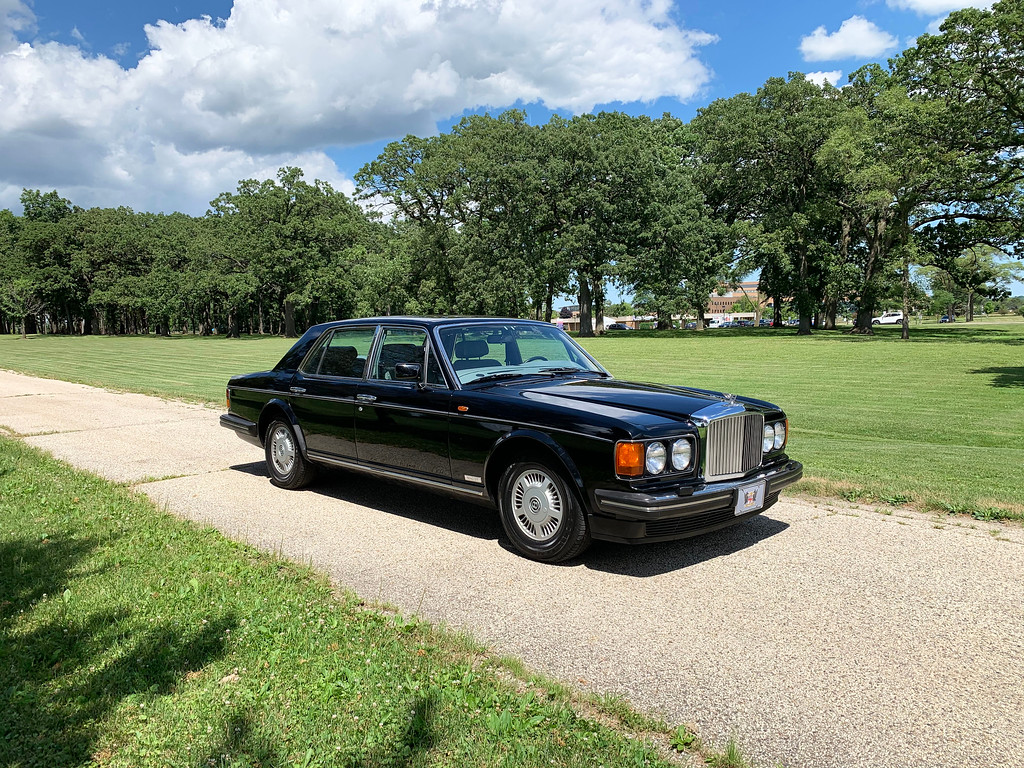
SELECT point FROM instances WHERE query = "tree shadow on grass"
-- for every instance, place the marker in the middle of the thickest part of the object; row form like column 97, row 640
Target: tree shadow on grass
column 243, row 743
column 61, row 677
column 1004, row 377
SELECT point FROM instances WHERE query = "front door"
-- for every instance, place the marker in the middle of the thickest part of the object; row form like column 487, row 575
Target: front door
column 402, row 425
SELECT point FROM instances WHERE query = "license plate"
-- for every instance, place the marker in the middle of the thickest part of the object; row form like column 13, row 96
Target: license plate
column 750, row 497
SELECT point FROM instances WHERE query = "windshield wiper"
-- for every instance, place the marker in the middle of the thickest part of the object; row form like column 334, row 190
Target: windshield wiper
column 496, row 376
column 567, row 369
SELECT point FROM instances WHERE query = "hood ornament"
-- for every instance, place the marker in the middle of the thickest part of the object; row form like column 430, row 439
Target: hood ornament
column 730, row 399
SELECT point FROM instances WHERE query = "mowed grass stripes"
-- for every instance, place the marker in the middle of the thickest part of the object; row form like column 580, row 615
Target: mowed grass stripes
column 937, row 421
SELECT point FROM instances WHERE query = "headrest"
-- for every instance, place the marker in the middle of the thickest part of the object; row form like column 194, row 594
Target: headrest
column 472, row 348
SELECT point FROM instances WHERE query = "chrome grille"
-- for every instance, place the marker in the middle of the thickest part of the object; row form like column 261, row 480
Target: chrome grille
column 734, row 445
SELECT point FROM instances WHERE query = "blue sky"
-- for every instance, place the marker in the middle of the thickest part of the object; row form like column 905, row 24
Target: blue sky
column 162, row 105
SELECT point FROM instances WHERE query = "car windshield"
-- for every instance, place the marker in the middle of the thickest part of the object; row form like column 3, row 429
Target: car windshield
column 500, row 351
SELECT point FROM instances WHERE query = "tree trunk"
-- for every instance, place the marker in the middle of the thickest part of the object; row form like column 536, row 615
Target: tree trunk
column 586, row 323
column 702, row 310
column 905, row 323
column 548, row 309
column 664, row 320
column 233, row 324
column 863, row 322
column 970, row 307
column 289, row 319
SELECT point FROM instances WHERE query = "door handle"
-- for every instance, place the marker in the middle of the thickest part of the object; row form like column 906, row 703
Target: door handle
column 296, row 390
column 365, row 398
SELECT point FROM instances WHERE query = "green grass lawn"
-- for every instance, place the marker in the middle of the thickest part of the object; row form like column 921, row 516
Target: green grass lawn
column 131, row 638
column 937, row 421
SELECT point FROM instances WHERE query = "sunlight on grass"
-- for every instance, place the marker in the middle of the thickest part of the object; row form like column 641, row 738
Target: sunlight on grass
column 132, row 638
column 936, row 421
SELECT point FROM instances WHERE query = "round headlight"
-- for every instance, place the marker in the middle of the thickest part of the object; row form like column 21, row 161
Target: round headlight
column 767, row 438
column 656, row 459
column 780, row 434
column 682, row 454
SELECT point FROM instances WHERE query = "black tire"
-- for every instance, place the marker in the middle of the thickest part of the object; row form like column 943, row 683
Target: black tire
column 540, row 513
column 287, row 466
column 876, row 322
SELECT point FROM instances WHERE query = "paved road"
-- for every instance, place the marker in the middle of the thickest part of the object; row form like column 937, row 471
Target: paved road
column 818, row 635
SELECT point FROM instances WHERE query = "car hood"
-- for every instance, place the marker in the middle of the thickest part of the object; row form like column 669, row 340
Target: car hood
column 656, row 399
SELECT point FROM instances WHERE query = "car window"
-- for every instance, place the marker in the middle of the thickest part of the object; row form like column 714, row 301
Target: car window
column 398, row 345
column 476, row 351
column 312, row 361
column 344, row 354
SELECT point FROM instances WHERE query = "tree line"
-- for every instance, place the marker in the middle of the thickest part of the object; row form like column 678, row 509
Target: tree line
column 836, row 197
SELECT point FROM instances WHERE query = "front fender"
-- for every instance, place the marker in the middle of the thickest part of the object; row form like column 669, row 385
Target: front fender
column 515, row 440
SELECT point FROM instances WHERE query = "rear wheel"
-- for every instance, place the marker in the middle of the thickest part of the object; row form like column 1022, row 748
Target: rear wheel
column 540, row 514
column 287, row 466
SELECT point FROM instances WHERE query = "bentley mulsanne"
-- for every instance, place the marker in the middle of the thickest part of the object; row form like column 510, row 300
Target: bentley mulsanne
column 518, row 416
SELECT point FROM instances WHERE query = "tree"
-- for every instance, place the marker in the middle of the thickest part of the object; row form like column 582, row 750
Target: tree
column 760, row 167
column 287, row 238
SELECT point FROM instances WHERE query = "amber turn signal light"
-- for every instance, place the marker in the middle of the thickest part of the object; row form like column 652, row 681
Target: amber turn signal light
column 629, row 459
column 227, row 396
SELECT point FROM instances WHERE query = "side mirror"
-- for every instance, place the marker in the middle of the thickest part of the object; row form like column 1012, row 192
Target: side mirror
column 408, row 371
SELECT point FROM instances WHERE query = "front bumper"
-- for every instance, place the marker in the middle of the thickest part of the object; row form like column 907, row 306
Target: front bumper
column 632, row 516
column 245, row 429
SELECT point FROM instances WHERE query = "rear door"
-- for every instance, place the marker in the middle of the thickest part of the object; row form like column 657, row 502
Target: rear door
column 323, row 391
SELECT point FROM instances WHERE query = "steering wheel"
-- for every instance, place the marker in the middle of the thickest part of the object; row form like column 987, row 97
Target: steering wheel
column 537, row 357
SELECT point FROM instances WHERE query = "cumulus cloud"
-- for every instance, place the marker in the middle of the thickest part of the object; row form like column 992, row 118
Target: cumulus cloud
column 856, row 38
column 279, row 81
column 832, row 77
column 15, row 17
column 936, row 7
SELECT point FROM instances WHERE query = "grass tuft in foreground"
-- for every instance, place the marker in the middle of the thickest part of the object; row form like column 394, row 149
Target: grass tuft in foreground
column 131, row 638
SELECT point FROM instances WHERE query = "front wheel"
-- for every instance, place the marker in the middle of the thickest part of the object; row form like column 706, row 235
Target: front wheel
column 287, row 466
column 540, row 513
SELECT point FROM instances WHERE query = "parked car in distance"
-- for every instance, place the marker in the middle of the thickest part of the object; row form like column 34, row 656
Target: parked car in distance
column 744, row 324
column 764, row 322
column 888, row 318
column 514, row 414
column 947, row 319
column 692, row 325
column 618, row 327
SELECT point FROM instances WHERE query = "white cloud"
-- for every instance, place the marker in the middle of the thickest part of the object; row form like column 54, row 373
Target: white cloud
column 15, row 17
column 856, row 38
column 936, row 7
column 77, row 35
column 821, row 78
column 280, row 80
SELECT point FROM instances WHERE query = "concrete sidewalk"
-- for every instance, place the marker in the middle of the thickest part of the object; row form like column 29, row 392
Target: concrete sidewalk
column 818, row 635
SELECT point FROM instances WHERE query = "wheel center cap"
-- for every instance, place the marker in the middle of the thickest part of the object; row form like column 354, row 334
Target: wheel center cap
column 535, row 504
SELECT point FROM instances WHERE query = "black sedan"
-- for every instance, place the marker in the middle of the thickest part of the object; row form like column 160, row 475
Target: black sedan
column 516, row 415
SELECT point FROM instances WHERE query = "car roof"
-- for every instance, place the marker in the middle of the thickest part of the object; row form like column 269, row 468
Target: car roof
column 428, row 321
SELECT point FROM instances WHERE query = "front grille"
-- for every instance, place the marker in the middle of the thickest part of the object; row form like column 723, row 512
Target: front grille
column 734, row 445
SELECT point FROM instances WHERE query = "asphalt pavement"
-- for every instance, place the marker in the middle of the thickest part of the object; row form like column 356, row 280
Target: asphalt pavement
column 817, row 634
